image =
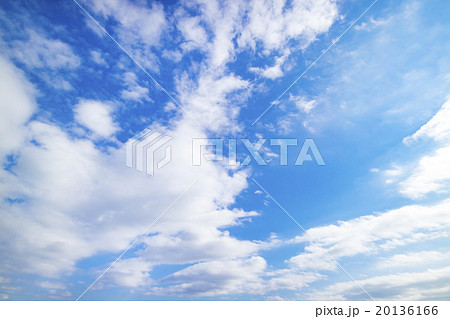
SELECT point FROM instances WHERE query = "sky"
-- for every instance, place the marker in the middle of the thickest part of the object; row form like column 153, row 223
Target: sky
column 368, row 82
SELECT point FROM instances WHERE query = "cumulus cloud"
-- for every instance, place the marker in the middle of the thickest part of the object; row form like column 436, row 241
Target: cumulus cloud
column 100, row 205
column 139, row 27
column 77, row 201
column 271, row 72
column 431, row 284
column 96, row 116
column 39, row 51
column 51, row 285
column 437, row 128
column 209, row 100
column 16, row 106
column 378, row 235
column 134, row 91
column 148, row 23
column 303, row 104
column 98, row 58
column 413, row 259
column 217, row 278
column 314, row 258
column 193, row 33
column 429, row 174
column 273, row 23
column 384, row 231
column 131, row 272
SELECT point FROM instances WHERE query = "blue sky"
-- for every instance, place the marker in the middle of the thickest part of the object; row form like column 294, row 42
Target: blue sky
column 376, row 104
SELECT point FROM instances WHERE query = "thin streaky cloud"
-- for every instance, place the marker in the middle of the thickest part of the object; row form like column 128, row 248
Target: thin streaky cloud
column 315, row 61
column 136, row 62
column 313, row 241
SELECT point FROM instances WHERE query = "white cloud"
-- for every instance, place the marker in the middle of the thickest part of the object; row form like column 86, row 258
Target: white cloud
column 303, row 104
column 412, row 259
column 193, row 33
column 373, row 234
column 431, row 284
column 6, row 289
column 429, row 174
column 110, row 204
column 213, row 27
column 40, row 52
column 371, row 24
column 148, row 23
column 437, row 128
column 57, row 82
column 51, row 285
column 314, row 258
column 80, row 201
column 393, row 174
column 174, row 55
column 272, row 72
column 97, row 57
column 208, row 101
column 100, row 205
column 139, row 27
column 378, row 235
column 224, row 22
column 132, row 272
column 96, row 116
column 300, row 113
column 217, row 278
column 16, row 106
column 349, row 97
column 289, row 279
column 273, row 23
column 134, row 91
column 288, row 122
